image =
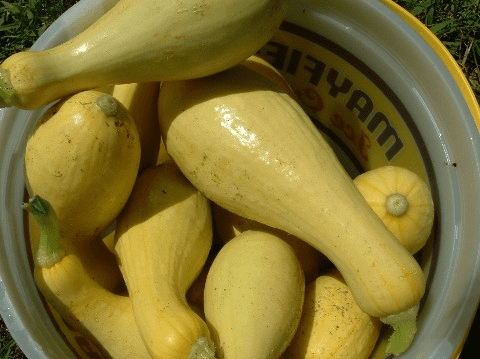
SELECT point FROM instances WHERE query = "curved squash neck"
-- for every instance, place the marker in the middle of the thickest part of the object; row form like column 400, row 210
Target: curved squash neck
column 49, row 250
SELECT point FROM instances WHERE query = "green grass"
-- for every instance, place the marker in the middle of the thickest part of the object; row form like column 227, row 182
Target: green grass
column 455, row 23
column 8, row 348
column 23, row 21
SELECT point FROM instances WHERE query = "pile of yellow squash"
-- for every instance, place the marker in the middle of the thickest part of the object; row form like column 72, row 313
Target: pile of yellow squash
column 189, row 208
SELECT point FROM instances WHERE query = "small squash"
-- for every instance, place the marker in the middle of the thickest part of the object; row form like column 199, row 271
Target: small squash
column 84, row 156
column 162, row 240
column 176, row 40
column 104, row 318
column 140, row 99
column 230, row 225
column 332, row 325
column 254, row 295
column 402, row 200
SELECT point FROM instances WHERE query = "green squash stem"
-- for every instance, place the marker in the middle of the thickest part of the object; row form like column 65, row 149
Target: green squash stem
column 7, row 92
column 404, row 327
column 49, row 249
column 201, row 350
column 108, row 105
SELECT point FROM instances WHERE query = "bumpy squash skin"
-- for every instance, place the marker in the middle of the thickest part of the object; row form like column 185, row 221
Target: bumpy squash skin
column 332, row 325
column 83, row 162
column 162, row 241
column 250, row 148
column 254, row 295
column 413, row 227
column 177, row 40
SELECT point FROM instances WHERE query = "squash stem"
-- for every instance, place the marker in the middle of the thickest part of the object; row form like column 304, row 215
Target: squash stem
column 7, row 92
column 49, row 249
column 397, row 204
column 201, row 349
column 404, row 327
column 108, row 105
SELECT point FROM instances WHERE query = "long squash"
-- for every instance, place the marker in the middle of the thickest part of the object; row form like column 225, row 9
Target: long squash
column 141, row 41
column 162, row 241
column 104, row 318
column 250, row 148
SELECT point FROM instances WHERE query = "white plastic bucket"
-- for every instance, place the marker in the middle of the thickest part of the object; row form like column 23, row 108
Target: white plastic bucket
column 383, row 89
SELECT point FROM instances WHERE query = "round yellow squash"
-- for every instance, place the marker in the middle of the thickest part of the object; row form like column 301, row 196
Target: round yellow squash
column 403, row 202
column 83, row 157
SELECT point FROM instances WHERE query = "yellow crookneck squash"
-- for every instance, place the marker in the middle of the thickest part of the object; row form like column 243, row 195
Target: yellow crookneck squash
column 83, row 156
column 402, row 200
column 254, row 294
column 245, row 143
column 104, row 318
column 162, row 240
column 142, row 41
column 332, row 325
